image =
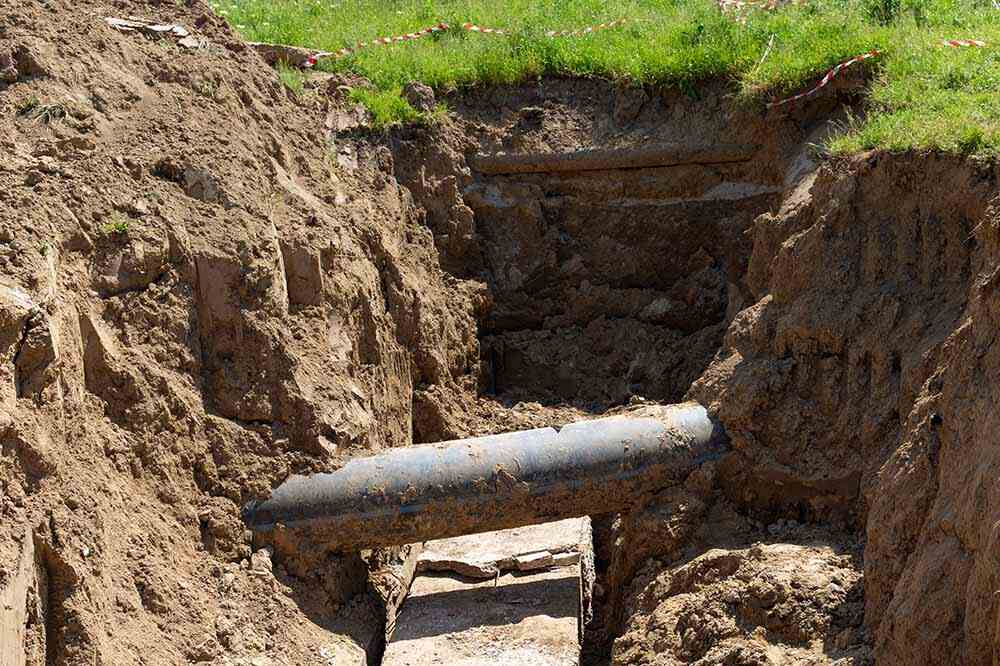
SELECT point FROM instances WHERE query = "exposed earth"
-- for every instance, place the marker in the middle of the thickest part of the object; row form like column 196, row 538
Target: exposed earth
column 208, row 283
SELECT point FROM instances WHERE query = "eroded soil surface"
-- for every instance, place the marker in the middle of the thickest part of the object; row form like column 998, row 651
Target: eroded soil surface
column 208, row 283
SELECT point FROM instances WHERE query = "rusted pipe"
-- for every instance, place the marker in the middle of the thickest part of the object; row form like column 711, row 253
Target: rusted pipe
column 613, row 158
column 496, row 482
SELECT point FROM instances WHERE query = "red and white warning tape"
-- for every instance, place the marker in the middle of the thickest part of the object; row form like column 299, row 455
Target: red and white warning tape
column 956, row 43
column 472, row 27
column 381, row 41
column 737, row 5
column 832, row 74
column 740, row 9
column 585, row 31
column 442, row 27
column 952, row 43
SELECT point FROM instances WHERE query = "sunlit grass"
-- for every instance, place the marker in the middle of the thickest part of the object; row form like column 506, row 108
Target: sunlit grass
column 923, row 96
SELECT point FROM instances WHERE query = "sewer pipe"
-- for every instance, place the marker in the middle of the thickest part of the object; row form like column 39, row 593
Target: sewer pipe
column 603, row 159
column 482, row 484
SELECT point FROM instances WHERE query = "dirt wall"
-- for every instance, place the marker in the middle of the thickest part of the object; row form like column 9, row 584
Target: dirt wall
column 857, row 390
column 197, row 297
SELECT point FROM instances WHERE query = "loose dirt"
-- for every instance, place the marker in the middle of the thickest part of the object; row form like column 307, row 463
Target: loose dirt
column 207, row 284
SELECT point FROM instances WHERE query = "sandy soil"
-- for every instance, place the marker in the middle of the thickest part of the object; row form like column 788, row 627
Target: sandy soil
column 207, row 284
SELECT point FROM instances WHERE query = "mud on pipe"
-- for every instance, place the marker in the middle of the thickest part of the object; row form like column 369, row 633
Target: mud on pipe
column 490, row 483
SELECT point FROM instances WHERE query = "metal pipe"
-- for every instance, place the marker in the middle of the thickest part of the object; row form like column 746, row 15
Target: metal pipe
column 602, row 159
column 496, row 482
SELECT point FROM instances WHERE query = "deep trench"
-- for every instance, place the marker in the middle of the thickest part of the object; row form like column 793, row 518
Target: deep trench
column 612, row 284
column 613, row 277
column 614, row 259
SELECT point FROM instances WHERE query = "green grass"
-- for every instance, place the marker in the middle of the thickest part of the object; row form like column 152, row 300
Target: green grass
column 117, row 225
column 293, row 78
column 923, row 96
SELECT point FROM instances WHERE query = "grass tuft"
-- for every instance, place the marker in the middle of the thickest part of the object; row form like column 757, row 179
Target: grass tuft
column 924, row 96
column 117, row 225
column 292, row 77
column 389, row 107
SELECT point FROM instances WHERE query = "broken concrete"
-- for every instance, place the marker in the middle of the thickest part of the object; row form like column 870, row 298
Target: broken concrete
column 527, row 607
column 516, row 620
column 485, row 555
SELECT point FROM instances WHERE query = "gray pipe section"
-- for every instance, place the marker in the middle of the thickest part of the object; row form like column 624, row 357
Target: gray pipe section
column 603, row 159
column 496, row 482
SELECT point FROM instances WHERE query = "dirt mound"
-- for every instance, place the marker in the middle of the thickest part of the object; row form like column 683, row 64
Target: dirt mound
column 198, row 297
column 781, row 603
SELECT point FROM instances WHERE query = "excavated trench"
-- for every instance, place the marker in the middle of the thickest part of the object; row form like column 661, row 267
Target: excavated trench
column 545, row 253
column 608, row 225
column 609, row 231
column 612, row 276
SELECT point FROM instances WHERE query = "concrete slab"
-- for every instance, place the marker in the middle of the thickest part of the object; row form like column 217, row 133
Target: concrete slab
column 483, row 555
column 510, row 598
column 518, row 620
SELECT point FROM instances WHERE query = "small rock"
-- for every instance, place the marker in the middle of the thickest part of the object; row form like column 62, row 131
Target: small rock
column 420, row 96
column 76, row 143
column 140, row 207
column 532, row 114
column 260, row 562
column 8, row 72
column 206, row 650
column 224, row 626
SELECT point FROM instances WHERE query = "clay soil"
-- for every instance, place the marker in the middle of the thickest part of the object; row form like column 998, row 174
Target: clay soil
column 208, row 283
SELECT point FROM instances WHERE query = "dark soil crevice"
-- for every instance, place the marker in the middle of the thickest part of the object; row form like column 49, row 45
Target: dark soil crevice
column 613, row 250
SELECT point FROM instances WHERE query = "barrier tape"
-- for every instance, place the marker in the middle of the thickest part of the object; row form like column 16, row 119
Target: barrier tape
column 832, row 74
column 956, row 43
column 952, row 43
column 381, row 41
column 472, row 27
column 740, row 9
column 739, row 5
column 443, row 27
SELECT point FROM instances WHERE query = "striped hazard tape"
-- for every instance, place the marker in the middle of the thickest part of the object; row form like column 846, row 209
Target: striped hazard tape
column 472, row 27
column 741, row 9
column 952, row 43
column 958, row 43
column 381, row 41
column 316, row 56
column 831, row 75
